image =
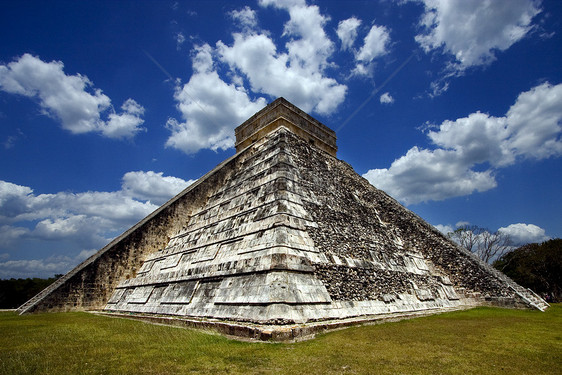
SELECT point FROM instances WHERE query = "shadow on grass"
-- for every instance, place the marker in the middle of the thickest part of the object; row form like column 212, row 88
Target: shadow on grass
column 477, row 341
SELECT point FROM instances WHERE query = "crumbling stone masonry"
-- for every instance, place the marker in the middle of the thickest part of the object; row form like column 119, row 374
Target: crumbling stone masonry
column 278, row 241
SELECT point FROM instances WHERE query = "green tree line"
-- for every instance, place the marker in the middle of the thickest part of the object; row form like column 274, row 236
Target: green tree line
column 14, row 292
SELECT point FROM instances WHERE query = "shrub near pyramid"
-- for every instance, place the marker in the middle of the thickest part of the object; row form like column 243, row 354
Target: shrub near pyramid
column 279, row 241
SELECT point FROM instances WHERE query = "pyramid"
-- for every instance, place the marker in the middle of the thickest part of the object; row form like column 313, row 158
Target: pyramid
column 277, row 242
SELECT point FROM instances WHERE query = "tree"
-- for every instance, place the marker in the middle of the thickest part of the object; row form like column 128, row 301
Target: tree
column 485, row 244
column 537, row 267
column 466, row 236
column 14, row 292
column 493, row 245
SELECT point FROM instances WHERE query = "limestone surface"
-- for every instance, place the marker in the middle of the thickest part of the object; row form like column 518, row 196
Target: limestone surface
column 282, row 233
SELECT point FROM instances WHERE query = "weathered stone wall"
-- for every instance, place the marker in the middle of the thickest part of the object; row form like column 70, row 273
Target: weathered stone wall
column 242, row 255
column 280, row 233
column 345, row 283
column 356, row 220
column 90, row 284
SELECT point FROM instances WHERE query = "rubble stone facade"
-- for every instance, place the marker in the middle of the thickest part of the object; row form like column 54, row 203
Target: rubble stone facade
column 283, row 234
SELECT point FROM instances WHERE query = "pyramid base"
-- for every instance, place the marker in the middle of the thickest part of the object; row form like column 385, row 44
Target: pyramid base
column 247, row 331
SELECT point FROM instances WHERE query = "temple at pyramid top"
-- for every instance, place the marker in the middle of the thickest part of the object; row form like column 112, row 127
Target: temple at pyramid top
column 282, row 113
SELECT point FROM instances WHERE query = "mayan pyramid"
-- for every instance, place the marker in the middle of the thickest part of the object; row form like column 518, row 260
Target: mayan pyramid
column 277, row 241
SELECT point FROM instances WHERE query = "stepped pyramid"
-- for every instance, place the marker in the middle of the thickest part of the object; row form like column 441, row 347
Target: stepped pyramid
column 279, row 241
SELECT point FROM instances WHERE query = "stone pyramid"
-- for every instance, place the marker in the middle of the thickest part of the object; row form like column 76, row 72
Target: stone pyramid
column 278, row 241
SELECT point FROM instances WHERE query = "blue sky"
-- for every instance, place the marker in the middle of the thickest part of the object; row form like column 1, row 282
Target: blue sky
column 109, row 108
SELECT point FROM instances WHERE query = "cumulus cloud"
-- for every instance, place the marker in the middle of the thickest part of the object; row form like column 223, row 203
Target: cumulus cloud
column 70, row 99
column 531, row 128
column 534, row 122
column 9, row 234
column 473, row 31
column 277, row 74
column 245, row 17
column 48, row 267
column 211, row 118
column 309, row 47
column 83, row 220
column 375, row 45
column 297, row 74
column 347, row 32
column 139, row 191
column 152, row 186
column 470, row 149
column 521, row 234
column 423, row 175
column 213, row 103
column 126, row 124
column 64, row 212
column 386, row 98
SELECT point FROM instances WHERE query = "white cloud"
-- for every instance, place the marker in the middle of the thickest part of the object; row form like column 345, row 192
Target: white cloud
column 34, row 267
column 438, row 87
column 71, row 227
column 9, row 191
column 272, row 73
column 521, row 234
column 153, row 186
column 309, row 46
column 245, row 17
column 423, row 175
column 74, row 222
column 298, row 73
column 347, row 32
column 386, row 98
column 87, row 219
column 9, row 234
column 71, row 99
column 531, row 129
column 534, row 122
column 42, row 267
column 473, row 31
column 477, row 138
column 59, row 227
column 84, row 218
column 212, row 105
column 126, row 124
column 375, row 45
column 219, row 107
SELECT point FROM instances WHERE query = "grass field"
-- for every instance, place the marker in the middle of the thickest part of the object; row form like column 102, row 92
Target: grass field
column 478, row 341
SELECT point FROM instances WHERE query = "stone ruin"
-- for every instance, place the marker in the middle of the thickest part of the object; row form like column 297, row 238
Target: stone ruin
column 278, row 242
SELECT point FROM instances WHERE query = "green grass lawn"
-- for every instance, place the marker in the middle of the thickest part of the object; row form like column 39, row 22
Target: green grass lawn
column 478, row 341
